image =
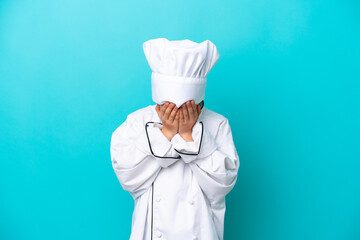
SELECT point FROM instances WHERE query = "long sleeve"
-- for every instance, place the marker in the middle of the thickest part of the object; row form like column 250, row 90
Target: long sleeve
column 213, row 159
column 132, row 160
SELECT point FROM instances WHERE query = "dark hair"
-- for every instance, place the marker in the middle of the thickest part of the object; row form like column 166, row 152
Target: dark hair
column 201, row 104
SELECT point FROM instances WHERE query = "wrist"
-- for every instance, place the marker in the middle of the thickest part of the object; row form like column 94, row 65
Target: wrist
column 187, row 136
column 168, row 134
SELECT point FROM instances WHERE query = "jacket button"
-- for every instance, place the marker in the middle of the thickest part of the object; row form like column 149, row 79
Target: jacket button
column 158, row 199
column 158, row 234
column 195, row 238
column 191, row 202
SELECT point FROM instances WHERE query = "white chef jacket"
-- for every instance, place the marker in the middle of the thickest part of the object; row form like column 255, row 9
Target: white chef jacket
column 178, row 187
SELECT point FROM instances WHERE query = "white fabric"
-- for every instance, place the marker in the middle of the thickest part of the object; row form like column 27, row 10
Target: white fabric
column 186, row 195
column 179, row 69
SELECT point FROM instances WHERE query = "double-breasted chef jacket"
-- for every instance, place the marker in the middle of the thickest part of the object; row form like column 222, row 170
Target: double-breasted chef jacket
column 178, row 187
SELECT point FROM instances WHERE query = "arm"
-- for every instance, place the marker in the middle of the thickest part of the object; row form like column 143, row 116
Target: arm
column 133, row 146
column 213, row 160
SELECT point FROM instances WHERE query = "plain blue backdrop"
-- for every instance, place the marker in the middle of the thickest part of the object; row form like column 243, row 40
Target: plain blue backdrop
column 287, row 80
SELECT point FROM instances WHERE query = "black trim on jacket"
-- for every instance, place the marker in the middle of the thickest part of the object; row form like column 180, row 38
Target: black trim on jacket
column 177, row 157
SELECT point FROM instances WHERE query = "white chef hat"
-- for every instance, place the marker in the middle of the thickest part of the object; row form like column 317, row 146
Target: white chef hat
column 179, row 69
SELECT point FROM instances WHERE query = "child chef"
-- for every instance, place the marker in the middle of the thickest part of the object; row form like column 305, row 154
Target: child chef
column 176, row 158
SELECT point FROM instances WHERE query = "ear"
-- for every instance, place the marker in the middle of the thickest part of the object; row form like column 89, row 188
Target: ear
column 198, row 109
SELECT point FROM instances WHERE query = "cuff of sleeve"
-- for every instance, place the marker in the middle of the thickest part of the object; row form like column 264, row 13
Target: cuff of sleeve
column 161, row 147
column 204, row 144
column 188, row 150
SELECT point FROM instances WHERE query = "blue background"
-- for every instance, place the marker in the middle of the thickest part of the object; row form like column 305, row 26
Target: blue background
column 287, row 80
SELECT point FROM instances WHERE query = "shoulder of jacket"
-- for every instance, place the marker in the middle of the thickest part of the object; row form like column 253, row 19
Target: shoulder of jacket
column 214, row 117
column 214, row 122
column 136, row 119
column 217, row 125
column 140, row 114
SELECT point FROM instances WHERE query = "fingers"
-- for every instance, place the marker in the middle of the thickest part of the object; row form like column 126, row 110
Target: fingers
column 185, row 112
column 168, row 110
column 177, row 117
column 164, row 107
column 194, row 109
column 190, row 110
column 181, row 115
column 176, row 120
column 157, row 108
column 173, row 114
